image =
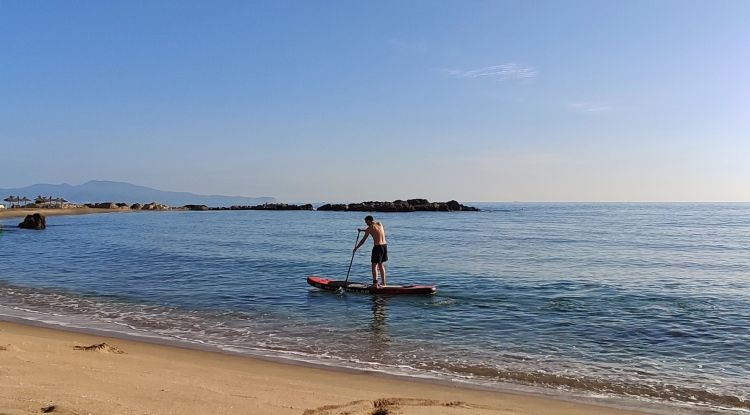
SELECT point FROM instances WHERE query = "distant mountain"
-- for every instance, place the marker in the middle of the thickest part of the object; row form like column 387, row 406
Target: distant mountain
column 107, row 191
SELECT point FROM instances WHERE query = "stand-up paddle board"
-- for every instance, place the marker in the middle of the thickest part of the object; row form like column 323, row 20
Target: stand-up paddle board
column 331, row 285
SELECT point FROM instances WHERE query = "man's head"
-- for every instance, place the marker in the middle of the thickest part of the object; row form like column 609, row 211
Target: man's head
column 368, row 220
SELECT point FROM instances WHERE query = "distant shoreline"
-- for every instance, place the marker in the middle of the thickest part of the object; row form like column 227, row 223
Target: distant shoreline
column 411, row 205
column 22, row 212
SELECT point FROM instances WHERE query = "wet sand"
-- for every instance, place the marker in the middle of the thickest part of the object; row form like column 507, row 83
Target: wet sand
column 72, row 373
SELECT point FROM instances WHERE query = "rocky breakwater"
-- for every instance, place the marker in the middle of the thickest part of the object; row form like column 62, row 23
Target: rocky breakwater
column 411, row 205
column 35, row 221
column 281, row 206
column 268, row 206
column 194, row 207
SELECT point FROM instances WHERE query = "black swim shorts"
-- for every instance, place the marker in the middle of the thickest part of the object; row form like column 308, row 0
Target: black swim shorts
column 379, row 254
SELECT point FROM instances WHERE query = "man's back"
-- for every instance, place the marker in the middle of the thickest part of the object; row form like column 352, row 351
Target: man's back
column 377, row 231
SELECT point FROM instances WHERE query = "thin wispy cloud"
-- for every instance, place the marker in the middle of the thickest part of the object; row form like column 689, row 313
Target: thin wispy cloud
column 504, row 72
column 590, row 106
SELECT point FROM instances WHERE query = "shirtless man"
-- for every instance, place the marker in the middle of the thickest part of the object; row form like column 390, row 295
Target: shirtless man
column 379, row 250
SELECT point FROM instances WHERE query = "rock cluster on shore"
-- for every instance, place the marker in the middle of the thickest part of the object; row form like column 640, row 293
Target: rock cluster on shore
column 125, row 206
column 411, row 205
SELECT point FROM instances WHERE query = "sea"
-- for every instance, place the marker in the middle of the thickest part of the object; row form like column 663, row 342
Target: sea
column 638, row 304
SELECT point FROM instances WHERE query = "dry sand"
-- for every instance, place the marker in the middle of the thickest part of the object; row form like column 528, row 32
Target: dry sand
column 59, row 371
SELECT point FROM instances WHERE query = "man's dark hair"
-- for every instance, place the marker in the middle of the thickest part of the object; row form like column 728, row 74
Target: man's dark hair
column 368, row 218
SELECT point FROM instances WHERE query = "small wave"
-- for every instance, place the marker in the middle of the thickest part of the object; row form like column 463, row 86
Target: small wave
column 443, row 302
column 657, row 391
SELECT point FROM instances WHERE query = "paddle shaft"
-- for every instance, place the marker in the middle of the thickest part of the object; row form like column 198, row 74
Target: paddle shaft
column 352, row 260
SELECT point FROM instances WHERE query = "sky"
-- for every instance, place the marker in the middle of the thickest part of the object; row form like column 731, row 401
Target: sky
column 332, row 101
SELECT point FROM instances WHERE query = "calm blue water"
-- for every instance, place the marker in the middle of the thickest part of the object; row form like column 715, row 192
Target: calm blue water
column 648, row 301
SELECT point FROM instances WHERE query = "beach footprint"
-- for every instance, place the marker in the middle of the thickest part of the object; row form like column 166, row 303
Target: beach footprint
column 100, row 347
column 60, row 410
column 10, row 348
column 396, row 406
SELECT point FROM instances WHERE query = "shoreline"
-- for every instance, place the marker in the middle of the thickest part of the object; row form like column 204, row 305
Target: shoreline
column 36, row 356
column 22, row 212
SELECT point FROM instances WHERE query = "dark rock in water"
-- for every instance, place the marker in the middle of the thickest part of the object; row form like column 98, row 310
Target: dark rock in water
column 465, row 208
column 338, row 207
column 196, row 207
column 35, row 221
column 411, row 205
column 453, row 205
column 136, row 206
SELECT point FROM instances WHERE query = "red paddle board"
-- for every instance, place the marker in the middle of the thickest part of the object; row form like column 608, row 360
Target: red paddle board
column 332, row 285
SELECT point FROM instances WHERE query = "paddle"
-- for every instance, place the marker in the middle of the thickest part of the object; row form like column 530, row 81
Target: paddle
column 341, row 289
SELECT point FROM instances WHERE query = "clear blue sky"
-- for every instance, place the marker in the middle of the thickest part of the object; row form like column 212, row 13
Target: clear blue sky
column 353, row 100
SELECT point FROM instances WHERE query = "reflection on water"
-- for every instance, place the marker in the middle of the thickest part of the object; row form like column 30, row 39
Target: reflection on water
column 378, row 328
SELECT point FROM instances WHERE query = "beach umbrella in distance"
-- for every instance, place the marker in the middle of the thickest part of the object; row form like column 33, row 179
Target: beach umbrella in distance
column 10, row 199
column 25, row 199
column 40, row 199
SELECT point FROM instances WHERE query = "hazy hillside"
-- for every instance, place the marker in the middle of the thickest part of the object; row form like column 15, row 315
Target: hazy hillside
column 108, row 191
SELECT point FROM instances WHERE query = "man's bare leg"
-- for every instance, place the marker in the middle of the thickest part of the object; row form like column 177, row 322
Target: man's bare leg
column 381, row 267
column 375, row 274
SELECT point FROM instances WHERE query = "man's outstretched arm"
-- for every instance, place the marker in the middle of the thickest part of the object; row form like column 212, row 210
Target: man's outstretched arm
column 367, row 233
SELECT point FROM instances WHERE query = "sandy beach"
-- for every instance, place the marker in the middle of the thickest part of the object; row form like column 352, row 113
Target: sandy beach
column 54, row 370
column 20, row 213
